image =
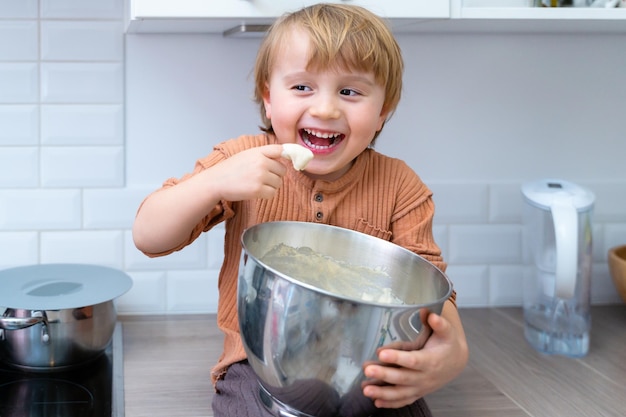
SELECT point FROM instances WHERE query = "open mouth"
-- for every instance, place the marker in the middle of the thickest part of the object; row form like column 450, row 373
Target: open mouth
column 320, row 141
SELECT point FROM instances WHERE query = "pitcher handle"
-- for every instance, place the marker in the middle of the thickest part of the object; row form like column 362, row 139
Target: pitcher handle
column 565, row 218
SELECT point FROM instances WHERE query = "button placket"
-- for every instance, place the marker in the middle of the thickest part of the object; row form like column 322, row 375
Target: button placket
column 318, row 198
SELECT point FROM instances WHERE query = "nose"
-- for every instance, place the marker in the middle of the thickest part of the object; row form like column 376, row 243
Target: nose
column 325, row 106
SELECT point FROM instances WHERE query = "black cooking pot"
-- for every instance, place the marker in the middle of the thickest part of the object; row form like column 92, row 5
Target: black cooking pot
column 58, row 315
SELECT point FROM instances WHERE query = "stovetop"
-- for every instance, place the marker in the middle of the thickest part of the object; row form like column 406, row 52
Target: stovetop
column 92, row 390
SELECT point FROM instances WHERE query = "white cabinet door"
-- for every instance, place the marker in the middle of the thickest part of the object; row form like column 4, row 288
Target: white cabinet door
column 274, row 8
column 509, row 16
column 217, row 15
column 397, row 9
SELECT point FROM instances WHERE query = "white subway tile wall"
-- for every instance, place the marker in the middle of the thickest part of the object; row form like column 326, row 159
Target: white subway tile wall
column 19, row 248
column 19, row 9
column 191, row 290
column 23, row 44
column 18, row 82
column 82, row 41
column 40, row 209
column 19, row 167
column 65, row 166
column 77, row 82
column 91, row 121
column 82, row 125
column 148, row 294
column 20, row 125
column 101, row 247
column 81, row 9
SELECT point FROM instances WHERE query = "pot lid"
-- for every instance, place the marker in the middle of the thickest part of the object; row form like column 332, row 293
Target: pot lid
column 60, row 286
column 544, row 193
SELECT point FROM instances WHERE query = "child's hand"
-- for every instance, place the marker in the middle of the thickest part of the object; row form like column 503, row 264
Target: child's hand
column 418, row 372
column 253, row 173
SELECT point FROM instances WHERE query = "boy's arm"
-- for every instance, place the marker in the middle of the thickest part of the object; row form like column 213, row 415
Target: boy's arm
column 166, row 218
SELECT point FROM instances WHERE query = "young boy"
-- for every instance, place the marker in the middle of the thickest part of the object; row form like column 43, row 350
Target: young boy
column 328, row 77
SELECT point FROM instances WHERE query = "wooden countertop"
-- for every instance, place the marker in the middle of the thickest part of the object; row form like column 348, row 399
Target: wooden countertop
column 167, row 362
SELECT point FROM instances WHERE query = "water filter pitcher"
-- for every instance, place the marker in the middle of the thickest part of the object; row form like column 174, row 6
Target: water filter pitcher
column 557, row 249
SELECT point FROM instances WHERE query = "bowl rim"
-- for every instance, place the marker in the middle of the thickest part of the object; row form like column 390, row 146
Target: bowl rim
column 314, row 288
column 618, row 252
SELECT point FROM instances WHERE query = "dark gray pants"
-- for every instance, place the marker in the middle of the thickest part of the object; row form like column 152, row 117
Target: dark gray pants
column 238, row 396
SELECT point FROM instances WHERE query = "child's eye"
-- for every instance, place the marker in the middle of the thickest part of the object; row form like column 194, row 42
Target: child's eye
column 348, row 92
column 301, row 88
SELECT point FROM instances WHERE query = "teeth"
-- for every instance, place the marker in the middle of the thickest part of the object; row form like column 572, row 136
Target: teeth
column 319, row 147
column 322, row 134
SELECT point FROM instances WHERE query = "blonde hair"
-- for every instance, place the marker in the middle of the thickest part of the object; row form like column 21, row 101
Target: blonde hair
column 342, row 36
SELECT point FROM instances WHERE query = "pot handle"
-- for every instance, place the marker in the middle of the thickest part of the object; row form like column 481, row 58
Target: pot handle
column 17, row 323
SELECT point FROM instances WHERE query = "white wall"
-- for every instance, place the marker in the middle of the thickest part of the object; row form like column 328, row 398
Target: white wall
column 480, row 115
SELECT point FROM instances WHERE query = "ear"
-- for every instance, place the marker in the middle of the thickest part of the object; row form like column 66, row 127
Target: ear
column 382, row 119
column 266, row 102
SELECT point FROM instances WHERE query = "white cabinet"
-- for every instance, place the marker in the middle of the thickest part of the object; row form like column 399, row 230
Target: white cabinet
column 523, row 10
column 511, row 16
column 520, row 16
column 220, row 15
column 217, row 16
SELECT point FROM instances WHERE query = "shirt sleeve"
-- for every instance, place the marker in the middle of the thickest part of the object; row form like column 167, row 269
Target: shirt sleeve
column 222, row 210
column 413, row 223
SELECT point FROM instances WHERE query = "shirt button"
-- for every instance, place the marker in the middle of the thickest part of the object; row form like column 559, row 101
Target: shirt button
column 319, row 215
column 319, row 197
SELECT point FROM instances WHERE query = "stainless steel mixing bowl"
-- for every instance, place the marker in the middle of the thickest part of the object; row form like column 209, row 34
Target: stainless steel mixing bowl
column 307, row 345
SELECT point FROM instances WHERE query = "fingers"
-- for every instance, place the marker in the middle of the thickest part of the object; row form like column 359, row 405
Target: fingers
column 401, row 386
column 410, row 375
column 267, row 190
column 253, row 173
column 269, row 182
column 250, row 174
column 273, row 151
column 397, row 374
column 391, row 397
column 438, row 324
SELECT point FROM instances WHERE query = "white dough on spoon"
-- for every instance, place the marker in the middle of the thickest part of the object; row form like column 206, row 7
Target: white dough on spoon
column 299, row 155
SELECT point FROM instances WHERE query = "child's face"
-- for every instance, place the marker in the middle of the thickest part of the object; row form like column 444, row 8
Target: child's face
column 334, row 112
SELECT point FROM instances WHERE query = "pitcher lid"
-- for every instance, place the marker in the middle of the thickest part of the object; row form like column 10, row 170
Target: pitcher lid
column 543, row 193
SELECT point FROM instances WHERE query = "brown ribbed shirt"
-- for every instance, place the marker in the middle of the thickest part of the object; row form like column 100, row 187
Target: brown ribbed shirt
column 379, row 195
